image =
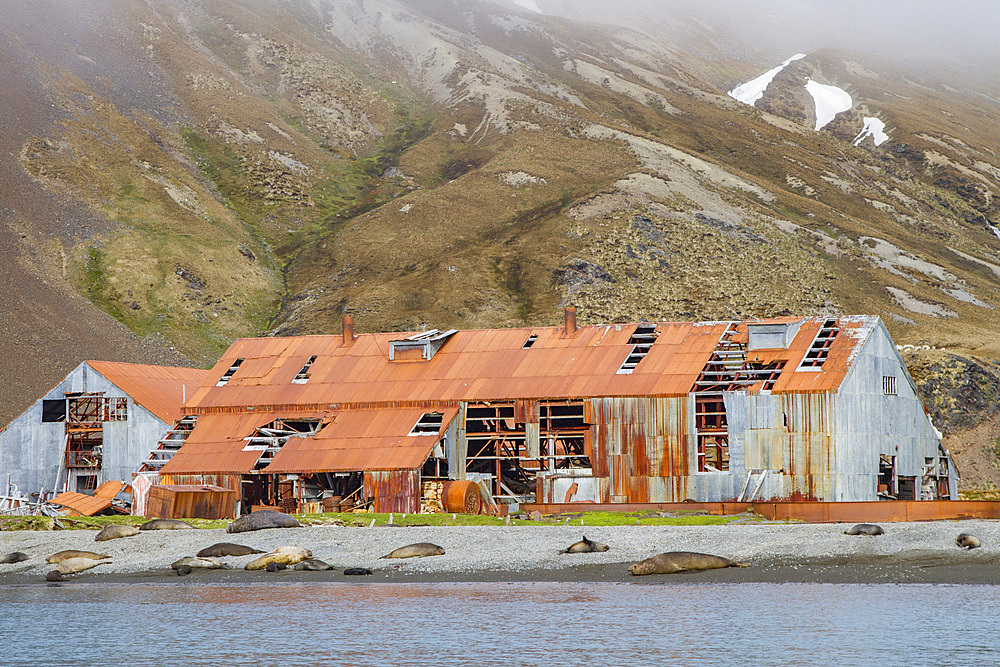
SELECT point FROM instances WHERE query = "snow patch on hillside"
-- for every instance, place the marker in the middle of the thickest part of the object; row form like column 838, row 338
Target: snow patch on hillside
column 530, row 5
column 873, row 128
column 751, row 91
column 829, row 100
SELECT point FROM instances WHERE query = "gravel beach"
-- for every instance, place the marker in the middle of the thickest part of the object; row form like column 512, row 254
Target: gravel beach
column 923, row 552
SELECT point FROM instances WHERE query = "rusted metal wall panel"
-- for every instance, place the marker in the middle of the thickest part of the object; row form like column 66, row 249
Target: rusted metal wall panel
column 393, row 490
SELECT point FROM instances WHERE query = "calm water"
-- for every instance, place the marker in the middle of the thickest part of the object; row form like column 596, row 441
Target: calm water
column 499, row 624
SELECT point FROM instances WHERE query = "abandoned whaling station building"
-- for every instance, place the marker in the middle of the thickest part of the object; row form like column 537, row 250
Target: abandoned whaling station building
column 97, row 424
column 790, row 408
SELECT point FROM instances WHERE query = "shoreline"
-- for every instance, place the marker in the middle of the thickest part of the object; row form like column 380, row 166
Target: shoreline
column 921, row 553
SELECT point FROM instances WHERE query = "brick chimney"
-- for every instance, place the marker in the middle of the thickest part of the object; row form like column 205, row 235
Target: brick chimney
column 348, row 326
column 569, row 329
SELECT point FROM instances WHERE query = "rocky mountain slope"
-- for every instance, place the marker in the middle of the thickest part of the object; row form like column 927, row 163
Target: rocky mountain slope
column 180, row 173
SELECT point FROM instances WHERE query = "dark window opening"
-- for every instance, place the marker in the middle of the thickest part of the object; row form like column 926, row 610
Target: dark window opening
column 889, row 385
column 269, row 439
column 531, row 341
column 54, row 410
column 224, row 380
column 428, row 424
column 86, row 483
column 303, row 375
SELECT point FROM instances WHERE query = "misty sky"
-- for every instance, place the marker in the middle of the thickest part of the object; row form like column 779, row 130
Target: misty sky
column 898, row 29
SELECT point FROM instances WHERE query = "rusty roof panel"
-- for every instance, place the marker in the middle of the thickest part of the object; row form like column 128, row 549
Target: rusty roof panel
column 375, row 439
column 81, row 503
column 159, row 389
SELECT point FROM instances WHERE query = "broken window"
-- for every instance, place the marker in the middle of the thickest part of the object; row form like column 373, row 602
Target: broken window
column 116, row 409
column 54, row 410
column 303, row 375
column 224, row 380
column 531, row 341
column 641, row 341
column 820, row 349
column 712, row 428
column 889, row 385
column 86, row 483
column 428, row 424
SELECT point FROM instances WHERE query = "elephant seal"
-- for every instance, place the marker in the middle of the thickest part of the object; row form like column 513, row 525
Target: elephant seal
column 165, row 524
column 260, row 520
column 584, row 546
column 227, row 549
column 281, row 557
column 60, row 556
column 357, row 571
column 313, row 565
column 967, row 541
column 293, row 549
column 54, row 575
column 420, row 550
column 680, row 561
column 74, row 565
column 275, row 567
column 14, row 557
column 183, row 570
column 195, row 562
column 114, row 532
column 865, row 529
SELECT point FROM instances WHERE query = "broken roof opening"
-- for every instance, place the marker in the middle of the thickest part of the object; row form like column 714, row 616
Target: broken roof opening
column 531, row 341
column 303, row 375
column 269, row 439
column 427, row 343
column 819, row 350
column 642, row 340
column 428, row 424
column 224, row 380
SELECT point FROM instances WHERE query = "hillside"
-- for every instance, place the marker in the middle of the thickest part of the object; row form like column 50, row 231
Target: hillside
column 182, row 173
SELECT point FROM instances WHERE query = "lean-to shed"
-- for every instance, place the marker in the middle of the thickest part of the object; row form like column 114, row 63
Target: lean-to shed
column 789, row 408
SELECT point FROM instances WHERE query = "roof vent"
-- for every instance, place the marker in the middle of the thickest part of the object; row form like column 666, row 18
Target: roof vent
column 419, row 347
column 641, row 341
column 569, row 319
column 771, row 335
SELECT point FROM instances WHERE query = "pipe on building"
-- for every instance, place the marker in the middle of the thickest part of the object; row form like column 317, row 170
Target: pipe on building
column 569, row 329
column 348, row 326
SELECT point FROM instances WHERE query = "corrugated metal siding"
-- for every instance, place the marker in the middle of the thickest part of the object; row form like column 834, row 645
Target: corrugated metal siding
column 393, row 490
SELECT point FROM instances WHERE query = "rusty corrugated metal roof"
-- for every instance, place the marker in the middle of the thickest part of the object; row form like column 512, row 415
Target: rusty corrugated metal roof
column 159, row 389
column 490, row 364
column 372, row 439
column 81, row 503
column 217, row 445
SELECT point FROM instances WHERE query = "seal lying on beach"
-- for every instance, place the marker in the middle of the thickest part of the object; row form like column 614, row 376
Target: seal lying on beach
column 165, row 524
column 54, row 575
column 260, row 520
column 865, row 529
column 74, row 565
column 681, row 561
column 313, row 565
column 275, row 567
column 967, row 541
column 419, row 549
column 357, row 571
column 60, row 556
column 195, row 562
column 114, row 532
column 293, row 549
column 14, row 557
column 227, row 549
column 283, row 557
column 584, row 546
